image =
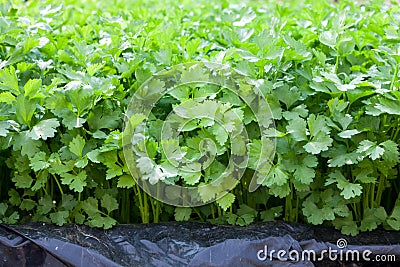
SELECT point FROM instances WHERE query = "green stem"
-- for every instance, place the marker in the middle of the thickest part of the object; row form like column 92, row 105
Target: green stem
column 219, row 211
column 146, row 218
column 396, row 71
column 372, row 195
column 288, row 205
column 141, row 208
column 365, row 203
column 379, row 192
column 396, row 133
column 212, row 211
column 337, row 61
column 198, row 214
column 58, row 184
column 356, row 211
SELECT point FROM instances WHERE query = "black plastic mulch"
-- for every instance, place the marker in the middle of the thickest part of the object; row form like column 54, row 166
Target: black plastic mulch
column 183, row 244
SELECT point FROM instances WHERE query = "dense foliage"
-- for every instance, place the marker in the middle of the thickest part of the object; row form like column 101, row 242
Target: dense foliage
column 330, row 73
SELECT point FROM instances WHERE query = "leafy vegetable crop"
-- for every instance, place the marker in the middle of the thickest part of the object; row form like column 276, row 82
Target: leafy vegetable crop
column 328, row 71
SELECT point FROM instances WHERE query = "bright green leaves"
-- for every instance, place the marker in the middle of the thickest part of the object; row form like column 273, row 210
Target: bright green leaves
column 32, row 89
column 301, row 51
column 76, row 146
column 324, row 206
column 226, row 201
column 372, row 218
column 316, row 134
column 24, row 110
column 95, row 218
column 297, row 129
column 9, row 80
column 348, row 190
column 39, row 161
column 76, row 182
column 277, row 176
column 319, row 135
column 329, row 38
column 316, row 215
column 44, row 129
column 370, row 149
column 304, row 172
column 26, row 145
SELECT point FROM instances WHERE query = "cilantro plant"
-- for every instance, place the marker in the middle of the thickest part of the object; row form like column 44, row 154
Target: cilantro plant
column 328, row 71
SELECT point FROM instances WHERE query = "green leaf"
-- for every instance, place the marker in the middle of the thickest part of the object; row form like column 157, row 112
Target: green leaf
column 394, row 219
column 68, row 202
column 109, row 202
column 39, row 162
column 45, row 205
column 32, row 87
column 24, row 110
column 344, row 158
column 346, row 225
column 208, row 192
column 391, row 151
column 363, row 177
column 22, row 180
column 370, row 149
column 319, row 132
column 276, row 176
column 76, row 145
column 317, row 215
column 12, row 219
column 101, row 221
column 44, row 129
column 287, row 95
column 297, row 129
column 372, row 218
column 271, row 213
column 126, row 181
column 319, row 143
column 75, row 182
column 27, row 204
column 226, row 201
column 3, row 209
column 7, row 97
column 304, row 174
column 388, row 106
column 349, row 190
column 348, row 133
column 15, row 199
column 9, row 80
column 182, row 214
column 59, row 217
column 328, row 38
column 90, row 206
column 220, row 134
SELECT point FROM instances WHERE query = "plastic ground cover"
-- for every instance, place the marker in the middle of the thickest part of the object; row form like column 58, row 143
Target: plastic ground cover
column 182, row 244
